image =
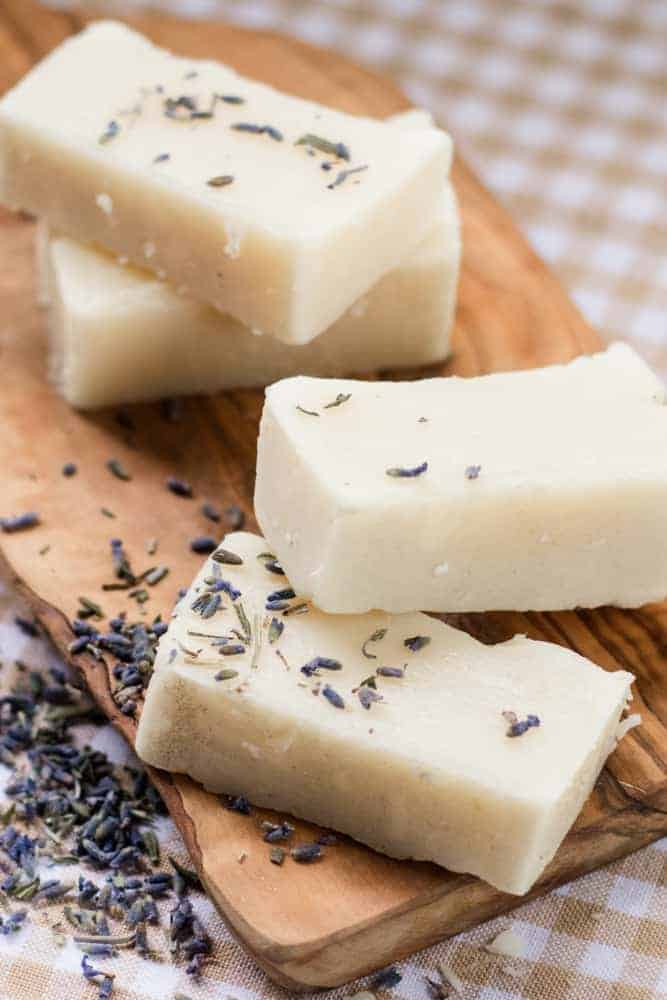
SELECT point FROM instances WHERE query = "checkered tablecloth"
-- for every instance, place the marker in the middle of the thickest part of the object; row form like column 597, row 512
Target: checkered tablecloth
column 561, row 108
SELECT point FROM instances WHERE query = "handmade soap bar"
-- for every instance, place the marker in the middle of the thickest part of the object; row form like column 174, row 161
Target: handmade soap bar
column 538, row 489
column 401, row 731
column 119, row 335
column 274, row 209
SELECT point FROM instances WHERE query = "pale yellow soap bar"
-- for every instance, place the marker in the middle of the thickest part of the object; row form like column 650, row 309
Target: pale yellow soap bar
column 120, row 335
column 427, row 770
column 276, row 210
column 530, row 490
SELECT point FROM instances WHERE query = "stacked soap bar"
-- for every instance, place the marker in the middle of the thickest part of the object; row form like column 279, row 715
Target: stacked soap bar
column 121, row 335
column 530, row 490
column 401, row 731
column 283, row 215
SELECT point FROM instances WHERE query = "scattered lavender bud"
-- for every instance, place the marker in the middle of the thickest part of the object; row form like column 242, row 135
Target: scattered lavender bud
column 387, row 979
column 117, row 469
column 320, row 663
column 203, row 545
column 179, row 487
column 305, row 853
column 28, row 628
column 211, row 512
column 399, row 472
column 234, row 518
column 332, row 696
column 416, row 642
column 237, row 803
column 22, row 522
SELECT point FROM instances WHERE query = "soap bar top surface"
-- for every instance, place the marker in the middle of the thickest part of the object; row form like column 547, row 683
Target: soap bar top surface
column 295, row 686
column 263, row 164
column 421, row 494
column 110, row 73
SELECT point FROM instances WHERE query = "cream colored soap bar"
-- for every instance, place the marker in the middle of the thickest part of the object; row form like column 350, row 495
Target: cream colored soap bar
column 119, row 335
column 418, row 766
column 538, row 489
column 276, row 210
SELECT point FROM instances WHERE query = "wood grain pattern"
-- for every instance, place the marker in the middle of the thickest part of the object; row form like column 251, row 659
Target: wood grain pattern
column 325, row 924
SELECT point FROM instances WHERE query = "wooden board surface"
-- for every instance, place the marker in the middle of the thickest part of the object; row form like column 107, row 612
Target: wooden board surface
column 356, row 911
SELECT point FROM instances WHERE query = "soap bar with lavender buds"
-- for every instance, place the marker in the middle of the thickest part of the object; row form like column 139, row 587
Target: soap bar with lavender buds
column 117, row 334
column 401, row 731
column 531, row 490
column 272, row 208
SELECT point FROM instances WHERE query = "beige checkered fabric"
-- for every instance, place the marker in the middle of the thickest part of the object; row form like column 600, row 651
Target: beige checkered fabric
column 560, row 107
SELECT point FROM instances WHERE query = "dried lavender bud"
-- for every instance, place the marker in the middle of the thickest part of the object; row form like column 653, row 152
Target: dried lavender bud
column 337, row 149
column 110, row 132
column 180, row 108
column 11, row 923
column 28, row 628
column 276, row 629
column 98, row 948
column 277, row 855
column 327, row 839
column 320, row 663
column 387, row 979
column 69, row 469
column 227, row 675
column 274, row 832
column 89, row 609
column 398, row 472
column 390, row 671
column 117, row 469
column 234, row 518
column 237, row 803
column 286, row 594
column 305, row 853
column 203, row 545
column 222, row 180
column 211, row 512
column 19, row 523
column 341, row 398
column 269, row 130
column 517, row 726
column 179, row 487
column 368, row 696
column 226, row 587
column 154, row 576
column 416, row 642
column 121, row 563
column 472, row 471
column 332, row 697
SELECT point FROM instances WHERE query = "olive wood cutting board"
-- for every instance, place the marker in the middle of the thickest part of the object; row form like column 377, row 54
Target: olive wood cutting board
column 323, row 924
